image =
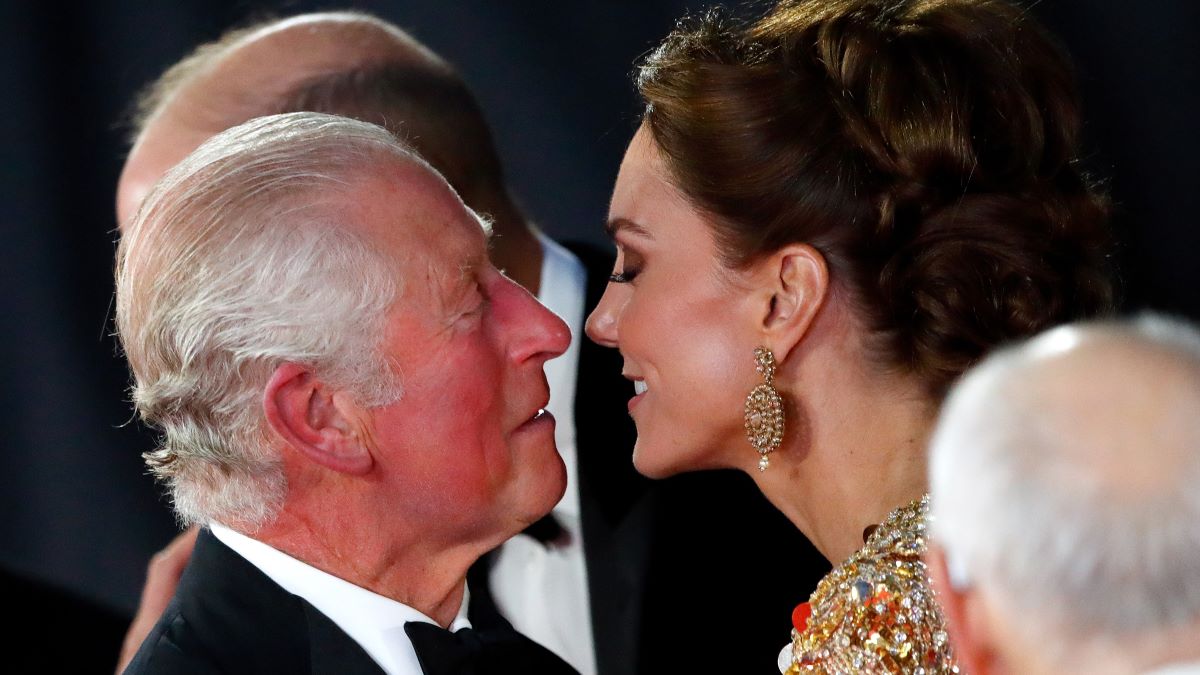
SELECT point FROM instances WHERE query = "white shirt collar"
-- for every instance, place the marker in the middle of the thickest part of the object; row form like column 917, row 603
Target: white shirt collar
column 375, row 622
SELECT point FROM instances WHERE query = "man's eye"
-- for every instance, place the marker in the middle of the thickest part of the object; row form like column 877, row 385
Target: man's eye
column 476, row 304
column 631, row 264
column 481, row 304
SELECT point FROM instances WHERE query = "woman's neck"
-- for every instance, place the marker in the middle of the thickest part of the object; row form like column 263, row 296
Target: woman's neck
column 854, row 451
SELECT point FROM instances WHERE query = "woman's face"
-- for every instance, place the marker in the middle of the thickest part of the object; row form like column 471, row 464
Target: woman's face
column 684, row 323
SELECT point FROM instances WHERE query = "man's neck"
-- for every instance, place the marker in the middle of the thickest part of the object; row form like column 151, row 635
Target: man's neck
column 408, row 569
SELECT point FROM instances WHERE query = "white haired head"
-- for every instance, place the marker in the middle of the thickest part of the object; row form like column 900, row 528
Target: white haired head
column 1064, row 478
column 237, row 261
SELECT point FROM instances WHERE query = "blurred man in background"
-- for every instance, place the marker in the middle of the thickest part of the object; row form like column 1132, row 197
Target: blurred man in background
column 1065, row 509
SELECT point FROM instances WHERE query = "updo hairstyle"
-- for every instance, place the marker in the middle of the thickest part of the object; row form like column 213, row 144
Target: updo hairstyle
column 927, row 148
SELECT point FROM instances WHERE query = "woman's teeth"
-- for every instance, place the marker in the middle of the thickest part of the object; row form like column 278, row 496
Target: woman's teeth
column 639, row 387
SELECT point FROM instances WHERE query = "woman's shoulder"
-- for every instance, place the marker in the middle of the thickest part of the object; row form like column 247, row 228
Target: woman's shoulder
column 876, row 612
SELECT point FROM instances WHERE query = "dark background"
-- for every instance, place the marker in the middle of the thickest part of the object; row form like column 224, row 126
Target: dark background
column 77, row 511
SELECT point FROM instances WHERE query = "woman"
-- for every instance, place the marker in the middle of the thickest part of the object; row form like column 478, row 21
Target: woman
column 824, row 218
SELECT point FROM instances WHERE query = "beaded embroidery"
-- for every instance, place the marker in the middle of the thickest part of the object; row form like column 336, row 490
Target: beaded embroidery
column 876, row 612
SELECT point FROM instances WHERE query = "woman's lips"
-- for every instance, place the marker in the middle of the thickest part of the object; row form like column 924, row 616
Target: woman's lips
column 640, row 389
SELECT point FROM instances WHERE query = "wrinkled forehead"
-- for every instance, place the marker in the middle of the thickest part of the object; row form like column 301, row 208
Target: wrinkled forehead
column 409, row 211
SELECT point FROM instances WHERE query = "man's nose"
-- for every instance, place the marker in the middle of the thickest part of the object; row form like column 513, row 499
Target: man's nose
column 544, row 335
column 601, row 325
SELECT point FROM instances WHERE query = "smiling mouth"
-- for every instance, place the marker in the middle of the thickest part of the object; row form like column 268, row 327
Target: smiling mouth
column 639, row 392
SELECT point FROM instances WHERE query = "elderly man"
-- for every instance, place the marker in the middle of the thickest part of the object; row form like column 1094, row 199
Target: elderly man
column 1064, row 478
column 621, row 558
column 351, row 398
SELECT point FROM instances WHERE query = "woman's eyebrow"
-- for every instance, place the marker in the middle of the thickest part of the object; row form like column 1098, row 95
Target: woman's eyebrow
column 617, row 225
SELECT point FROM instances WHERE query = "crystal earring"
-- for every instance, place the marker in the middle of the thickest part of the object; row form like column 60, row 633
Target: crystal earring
column 764, row 410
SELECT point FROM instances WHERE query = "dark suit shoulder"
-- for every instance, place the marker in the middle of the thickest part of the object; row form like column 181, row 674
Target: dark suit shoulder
column 172, row 647
column 229, row 617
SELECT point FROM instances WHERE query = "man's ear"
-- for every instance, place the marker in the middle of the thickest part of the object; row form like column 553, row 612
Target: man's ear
column 316, row 421
column 964, row 620
column 798, row 281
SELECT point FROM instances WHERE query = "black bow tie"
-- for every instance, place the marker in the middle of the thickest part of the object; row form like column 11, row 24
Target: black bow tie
column 488, row 652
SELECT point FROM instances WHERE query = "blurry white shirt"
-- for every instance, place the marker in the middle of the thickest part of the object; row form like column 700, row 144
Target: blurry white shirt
column 375, row 622
column 1189, row 668
column 542, row 589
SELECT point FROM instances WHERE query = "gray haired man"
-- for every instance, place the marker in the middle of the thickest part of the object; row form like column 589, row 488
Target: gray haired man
column 351, row 397
column 1066, row 513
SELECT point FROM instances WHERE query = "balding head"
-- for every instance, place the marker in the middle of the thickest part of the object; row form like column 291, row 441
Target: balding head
column 1064, row 476
column 338, row 62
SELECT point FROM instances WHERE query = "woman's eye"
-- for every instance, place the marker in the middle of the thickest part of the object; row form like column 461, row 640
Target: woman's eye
column 624, row 276
column 631, row 266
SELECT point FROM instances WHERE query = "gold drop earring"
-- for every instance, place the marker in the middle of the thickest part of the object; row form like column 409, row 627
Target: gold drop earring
column 764, row 410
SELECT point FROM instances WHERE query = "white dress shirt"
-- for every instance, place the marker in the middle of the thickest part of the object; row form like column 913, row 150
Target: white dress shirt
column 542, row 589
column 1181, row 668
column 375, row 622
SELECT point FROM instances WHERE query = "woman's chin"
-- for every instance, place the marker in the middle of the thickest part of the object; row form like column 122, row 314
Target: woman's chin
column 655, row 461
column 650, row 462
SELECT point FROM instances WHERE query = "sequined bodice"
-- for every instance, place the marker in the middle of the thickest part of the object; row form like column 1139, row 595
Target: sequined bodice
column 876, row 613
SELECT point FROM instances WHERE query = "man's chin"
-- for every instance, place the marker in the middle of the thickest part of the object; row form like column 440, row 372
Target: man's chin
column 547, row 490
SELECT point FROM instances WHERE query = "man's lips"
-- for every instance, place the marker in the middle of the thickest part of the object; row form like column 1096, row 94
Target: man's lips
column 542, row 416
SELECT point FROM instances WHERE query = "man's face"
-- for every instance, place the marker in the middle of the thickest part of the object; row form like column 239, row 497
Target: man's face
column 464, row 445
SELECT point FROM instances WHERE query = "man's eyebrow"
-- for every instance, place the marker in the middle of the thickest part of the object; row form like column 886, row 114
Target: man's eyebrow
column 617, row 225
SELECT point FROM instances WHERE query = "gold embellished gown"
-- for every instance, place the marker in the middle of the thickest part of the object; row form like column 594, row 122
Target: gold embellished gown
column 875, row 612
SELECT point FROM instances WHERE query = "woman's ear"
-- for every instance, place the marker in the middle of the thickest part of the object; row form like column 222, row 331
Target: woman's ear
column 320, row 423
column 798, row 280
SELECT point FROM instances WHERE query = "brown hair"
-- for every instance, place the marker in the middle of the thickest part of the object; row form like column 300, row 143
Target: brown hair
column 928, row 148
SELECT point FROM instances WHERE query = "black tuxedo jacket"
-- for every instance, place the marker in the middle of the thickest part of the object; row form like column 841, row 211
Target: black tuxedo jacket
column 228, row 617
column 692, row 569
